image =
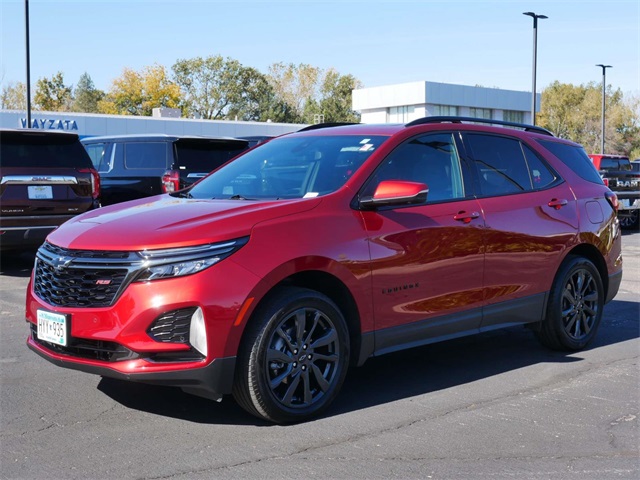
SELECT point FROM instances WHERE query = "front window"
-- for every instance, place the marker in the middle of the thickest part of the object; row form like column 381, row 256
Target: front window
column 289, row 167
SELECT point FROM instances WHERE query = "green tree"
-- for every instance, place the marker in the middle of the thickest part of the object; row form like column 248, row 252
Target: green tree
column 138, row 93
column 295, row 85
column 52, row 95
column 575, row 113
column 219, row 88
column 14, row 96
column 336, row 92
column 86, row 95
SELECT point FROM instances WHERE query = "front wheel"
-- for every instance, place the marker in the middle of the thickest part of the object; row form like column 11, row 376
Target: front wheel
column 294, row 357
column 575, row 306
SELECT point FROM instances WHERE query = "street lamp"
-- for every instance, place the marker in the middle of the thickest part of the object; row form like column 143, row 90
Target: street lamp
column 26, row 17
column 604, row 86
column 535, row 53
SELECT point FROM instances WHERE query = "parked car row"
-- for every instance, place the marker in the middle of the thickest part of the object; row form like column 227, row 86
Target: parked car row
column 48, row 177
column 304, row 256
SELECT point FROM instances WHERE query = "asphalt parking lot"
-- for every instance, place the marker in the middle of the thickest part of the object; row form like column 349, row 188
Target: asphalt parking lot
column 493, row 406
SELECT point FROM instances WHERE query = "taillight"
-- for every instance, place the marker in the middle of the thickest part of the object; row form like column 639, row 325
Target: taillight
column 606, row 182
column 170, row 181
column 612, row 198
column 95, row 180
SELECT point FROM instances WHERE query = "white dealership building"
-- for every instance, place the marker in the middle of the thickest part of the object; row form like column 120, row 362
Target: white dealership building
column 398, row 103
column 404, row 102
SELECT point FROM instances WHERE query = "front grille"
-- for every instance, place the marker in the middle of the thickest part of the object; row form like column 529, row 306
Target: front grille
column 172, row 327
column 73, row 287
column 82, row 278
column 88, row 349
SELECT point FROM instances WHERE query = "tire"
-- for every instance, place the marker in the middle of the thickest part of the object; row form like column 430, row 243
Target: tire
column 575, row 306
column 293, row 358
column 630, row 220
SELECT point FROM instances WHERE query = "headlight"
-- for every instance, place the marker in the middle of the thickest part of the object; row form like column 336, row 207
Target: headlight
column 177, row 262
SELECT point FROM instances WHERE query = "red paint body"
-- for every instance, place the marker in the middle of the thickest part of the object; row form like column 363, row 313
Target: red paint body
column 442, row 265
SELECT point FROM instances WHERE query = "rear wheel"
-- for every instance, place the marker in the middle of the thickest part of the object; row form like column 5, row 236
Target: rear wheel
column 294, row 357
column 630, row 219
column 575, row 306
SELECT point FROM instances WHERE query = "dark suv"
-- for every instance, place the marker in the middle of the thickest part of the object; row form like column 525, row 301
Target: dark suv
column 46, row 178
column 319, row 249
column 137, row 166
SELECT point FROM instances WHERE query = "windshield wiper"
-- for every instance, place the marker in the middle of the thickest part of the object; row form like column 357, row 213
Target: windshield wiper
column 238, row 197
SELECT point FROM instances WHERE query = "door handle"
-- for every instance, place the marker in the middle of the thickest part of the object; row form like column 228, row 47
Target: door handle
column 465, row 217
column 557, row 203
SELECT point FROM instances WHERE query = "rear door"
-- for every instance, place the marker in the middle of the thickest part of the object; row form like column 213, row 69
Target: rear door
column 531, row 218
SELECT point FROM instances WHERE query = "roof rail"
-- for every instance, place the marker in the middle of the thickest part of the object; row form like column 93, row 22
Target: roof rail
column 317, row 126
column 524, row 126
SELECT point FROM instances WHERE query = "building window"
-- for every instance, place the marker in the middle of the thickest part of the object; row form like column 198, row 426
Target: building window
column 480, row 113
column 445, row 110
column 401, row 114
column 513, row 116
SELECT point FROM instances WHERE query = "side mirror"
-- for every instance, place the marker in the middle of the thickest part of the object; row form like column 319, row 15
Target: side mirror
column 396, row 193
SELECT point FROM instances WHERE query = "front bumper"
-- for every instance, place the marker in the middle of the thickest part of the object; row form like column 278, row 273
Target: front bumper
column 210, row 381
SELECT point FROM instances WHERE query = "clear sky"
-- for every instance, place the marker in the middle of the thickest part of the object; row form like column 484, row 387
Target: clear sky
column 380, row 42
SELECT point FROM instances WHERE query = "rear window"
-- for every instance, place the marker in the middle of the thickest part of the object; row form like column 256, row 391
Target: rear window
column 37, row 151
column 575, row 158
column 207, row 157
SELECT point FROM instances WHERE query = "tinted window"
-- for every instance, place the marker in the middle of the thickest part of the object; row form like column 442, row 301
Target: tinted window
column 98, row 154
column 541, row 175
column 204, row 158
column 575, row 158
column 142, row 155
column 500, row 163
column 42, row 151
column 430, row 159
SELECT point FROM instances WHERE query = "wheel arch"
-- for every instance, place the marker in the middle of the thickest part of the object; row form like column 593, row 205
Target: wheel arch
column 341, row 291
column 591, row 253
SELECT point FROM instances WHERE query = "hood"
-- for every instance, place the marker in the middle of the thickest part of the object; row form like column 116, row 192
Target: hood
column 166, row 222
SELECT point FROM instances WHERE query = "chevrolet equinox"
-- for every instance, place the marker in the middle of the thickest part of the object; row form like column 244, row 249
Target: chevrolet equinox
column 319, row 249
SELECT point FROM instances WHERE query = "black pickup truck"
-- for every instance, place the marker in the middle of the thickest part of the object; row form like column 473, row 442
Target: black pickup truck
column 621, row 178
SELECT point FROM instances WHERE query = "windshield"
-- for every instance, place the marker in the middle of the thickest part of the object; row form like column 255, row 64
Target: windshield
column 290, row 167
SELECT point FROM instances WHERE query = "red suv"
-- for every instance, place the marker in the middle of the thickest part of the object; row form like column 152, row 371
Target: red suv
column 319, row 249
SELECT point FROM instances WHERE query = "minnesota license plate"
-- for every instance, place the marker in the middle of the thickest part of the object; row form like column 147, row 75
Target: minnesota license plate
column 52, row 327
column 40, row 192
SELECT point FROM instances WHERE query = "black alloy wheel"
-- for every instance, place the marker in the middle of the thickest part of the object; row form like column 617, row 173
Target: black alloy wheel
column 294, row 358
column 575, row 306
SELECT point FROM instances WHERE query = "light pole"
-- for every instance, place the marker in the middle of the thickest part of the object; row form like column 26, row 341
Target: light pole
column 604, row 86
column 26, row 17
column 535, row 54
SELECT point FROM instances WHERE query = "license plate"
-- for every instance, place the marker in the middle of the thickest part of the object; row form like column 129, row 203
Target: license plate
column 40, row 192
column 52, row 327
column 624, row 202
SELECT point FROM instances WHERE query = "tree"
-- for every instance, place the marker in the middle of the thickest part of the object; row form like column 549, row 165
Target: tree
column 219, row 88
column 86, row 95
column 52, row 95
column 14, row 96
column 575, row 113
column 138, row 93
column 336, row 92
column 295, row 85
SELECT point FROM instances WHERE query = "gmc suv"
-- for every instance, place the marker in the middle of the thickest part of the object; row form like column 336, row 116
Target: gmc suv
column 46, row 178
column 319, row 249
